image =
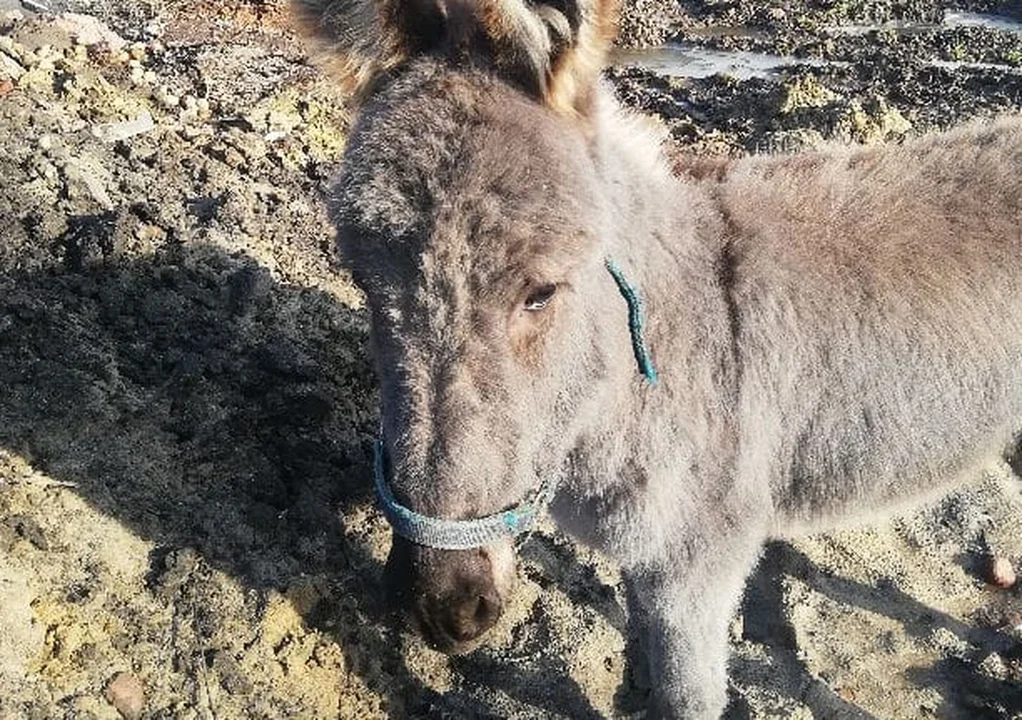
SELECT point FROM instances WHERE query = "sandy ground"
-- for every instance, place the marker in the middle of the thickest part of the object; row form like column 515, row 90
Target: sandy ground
column 186, row 406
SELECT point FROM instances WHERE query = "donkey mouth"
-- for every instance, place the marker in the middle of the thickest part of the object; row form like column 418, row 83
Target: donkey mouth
column 455, row 626
column 442, row 642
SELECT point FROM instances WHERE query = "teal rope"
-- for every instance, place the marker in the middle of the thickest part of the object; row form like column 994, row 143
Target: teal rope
column 519, row 520
column 634, row 322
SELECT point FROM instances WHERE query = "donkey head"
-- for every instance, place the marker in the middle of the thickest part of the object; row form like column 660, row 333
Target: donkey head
column 470, row 211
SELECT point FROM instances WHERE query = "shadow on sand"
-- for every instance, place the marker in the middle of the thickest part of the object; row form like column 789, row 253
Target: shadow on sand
column 215, row 411
column 225, row 417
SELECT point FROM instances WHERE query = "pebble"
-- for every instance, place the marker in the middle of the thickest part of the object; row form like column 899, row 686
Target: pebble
column 15, row 50
column 126, row 694
column 112, row 132
column 993, row 666
column 89, row 30
column 10, row 68
column 1001, row 574
column 167, row 99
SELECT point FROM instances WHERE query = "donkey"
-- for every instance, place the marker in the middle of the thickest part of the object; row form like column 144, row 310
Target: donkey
column 677, row 367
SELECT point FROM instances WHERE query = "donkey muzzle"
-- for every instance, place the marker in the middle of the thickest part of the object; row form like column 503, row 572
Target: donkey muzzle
column 451, row 596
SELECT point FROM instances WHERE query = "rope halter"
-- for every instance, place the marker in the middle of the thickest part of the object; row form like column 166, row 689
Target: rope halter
column 444, row 534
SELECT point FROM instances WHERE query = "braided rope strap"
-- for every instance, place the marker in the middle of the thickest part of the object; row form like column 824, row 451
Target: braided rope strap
column 445, row 534
column 635, row 322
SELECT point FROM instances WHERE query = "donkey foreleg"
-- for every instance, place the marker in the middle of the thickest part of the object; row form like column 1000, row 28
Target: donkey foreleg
column 683, row 612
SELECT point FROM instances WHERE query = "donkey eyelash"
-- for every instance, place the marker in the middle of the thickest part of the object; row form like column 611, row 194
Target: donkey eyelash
column 539, row 298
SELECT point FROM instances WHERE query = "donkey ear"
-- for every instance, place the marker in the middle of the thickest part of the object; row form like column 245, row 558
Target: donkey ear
column 554, row 49
column 357, row 40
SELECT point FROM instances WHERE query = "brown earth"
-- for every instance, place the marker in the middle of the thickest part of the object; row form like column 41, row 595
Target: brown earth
column 186, row 405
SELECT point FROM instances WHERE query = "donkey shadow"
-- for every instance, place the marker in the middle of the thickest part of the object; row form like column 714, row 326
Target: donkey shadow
column 964, row 691
column 225, row 416
column 208, row 407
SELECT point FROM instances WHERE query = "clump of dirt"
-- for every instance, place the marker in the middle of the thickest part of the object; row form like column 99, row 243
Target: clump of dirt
column 187, row 409
column 877, row 71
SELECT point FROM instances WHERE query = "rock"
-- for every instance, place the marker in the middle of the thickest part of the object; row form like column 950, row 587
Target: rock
column 805, row 92
column 1001, row 573
column 112, row 132
column 10, row 67
column 89, row 30
column 87, row 178
column 647, row 23
column 126, row 694
column 27, row 528
column 993, row 666
column 36, row 6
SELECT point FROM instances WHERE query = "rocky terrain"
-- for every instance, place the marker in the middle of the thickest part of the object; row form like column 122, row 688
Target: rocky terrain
column 186, row 404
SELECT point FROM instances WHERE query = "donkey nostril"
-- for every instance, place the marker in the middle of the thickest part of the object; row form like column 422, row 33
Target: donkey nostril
column 482, row 611
column 474, row 616
column 486, row 614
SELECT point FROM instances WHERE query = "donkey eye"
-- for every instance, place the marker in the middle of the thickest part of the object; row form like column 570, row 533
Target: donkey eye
column 540, row 297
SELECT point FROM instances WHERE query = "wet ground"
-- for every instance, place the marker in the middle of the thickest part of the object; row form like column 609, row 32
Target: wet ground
column 186, row 405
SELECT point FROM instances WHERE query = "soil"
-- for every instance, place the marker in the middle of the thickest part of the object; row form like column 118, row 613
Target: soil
column 187, row 407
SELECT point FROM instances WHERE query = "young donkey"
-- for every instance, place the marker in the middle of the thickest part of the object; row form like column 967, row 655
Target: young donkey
column 818, row 335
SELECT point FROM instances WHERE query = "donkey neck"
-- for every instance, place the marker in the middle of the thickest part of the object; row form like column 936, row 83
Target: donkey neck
column 671, row 242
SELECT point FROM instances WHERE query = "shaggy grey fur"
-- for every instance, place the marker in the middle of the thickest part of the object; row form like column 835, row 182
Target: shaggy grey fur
column 835, row 332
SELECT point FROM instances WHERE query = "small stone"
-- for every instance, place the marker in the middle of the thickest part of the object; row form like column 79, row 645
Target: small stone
column 993, row 666
column 5, row 87
column 736, row 629
column 167, row 99
column 126, row 694
column 28, row 529
column 1001, row 573
column 10, row 68
column 89, row 30
column 36, row 6
column 112, row 132
column 12, row 48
